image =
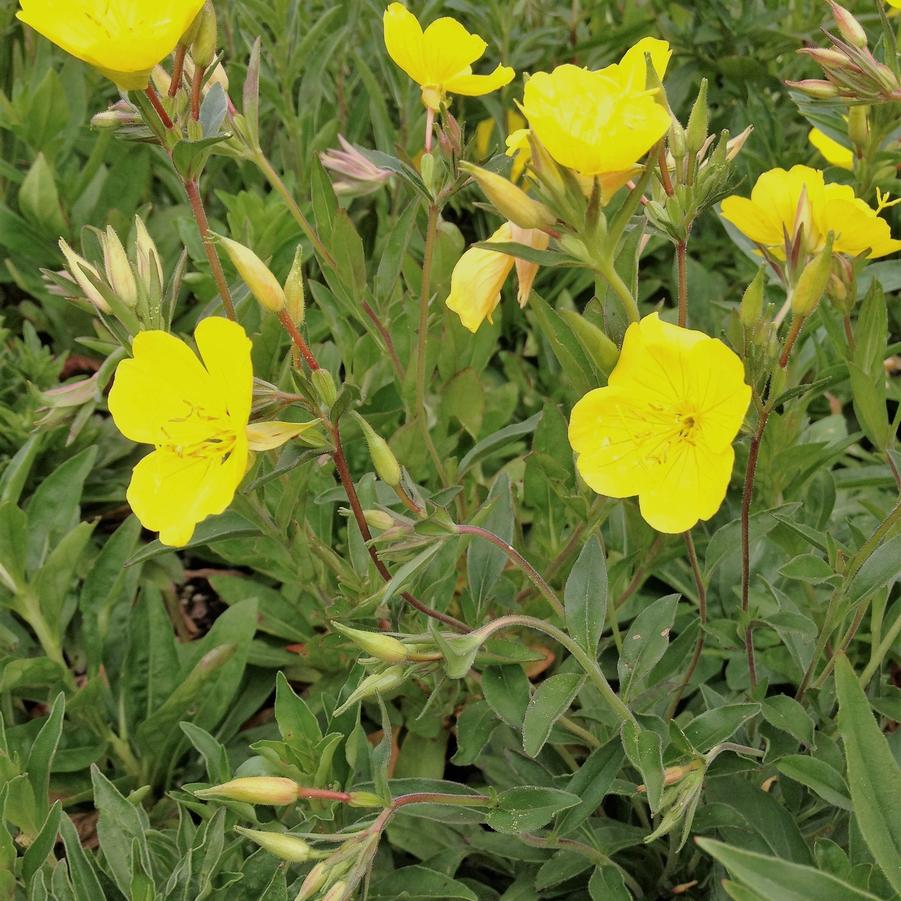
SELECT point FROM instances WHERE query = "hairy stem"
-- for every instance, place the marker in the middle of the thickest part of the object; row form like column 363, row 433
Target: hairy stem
column 702, row 618
column 682, row 268
column 157, row 104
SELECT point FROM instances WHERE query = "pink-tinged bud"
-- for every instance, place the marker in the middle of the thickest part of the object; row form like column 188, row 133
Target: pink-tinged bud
column 78, row 266
column 851, row 30
column 827, row 58
column 315, row 880
column 734, row 145
column 337, row 892
column 815, row 87
column 275, row 790
column 359, row 176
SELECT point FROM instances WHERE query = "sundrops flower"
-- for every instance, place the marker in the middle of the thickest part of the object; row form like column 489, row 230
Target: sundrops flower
column 601, row 122
column 123, row 39
column 781, row 202
column 834, row 153
column 663, row 427
column 440, row 58
column 515, row 126
column 196, row 414
column 479, row 275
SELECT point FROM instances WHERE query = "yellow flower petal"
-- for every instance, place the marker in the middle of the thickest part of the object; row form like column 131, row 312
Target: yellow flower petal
column 449, row 50
column 225, row 349
column 835, row 154
column 476, row 85
column 124, row 39
column 477, row 280
column 663, row 427
column 171, row 494
column 632, row 68
column 404, row 42
column 264, row 436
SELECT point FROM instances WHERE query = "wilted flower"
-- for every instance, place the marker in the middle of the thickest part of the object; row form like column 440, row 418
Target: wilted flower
column 123, row 39
column 440, row 58
column 599, row 122
column 663, row 427
column 360, row 175
column 480, row 274
column 195, row 412
column 781, row 201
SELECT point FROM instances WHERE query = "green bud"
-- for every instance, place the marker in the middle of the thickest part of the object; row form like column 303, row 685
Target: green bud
column 378, row 519
column 118, row 269
column 603, row 352
column 858, row 125
column 276, row 790
column 376, row 684
column 751, row 308
column 256, row 274
column 203, row 46
column 315, row 880
column 510, row 201
column 384, row 647
column 365, row 799
column 285, row 847
column 778, row 382
column 698, row 119
column 677, row 141
column 324, row 385
column 812, row 282
column 383, row 459
column 427, row 171
column 336, row 892
column 294, row 290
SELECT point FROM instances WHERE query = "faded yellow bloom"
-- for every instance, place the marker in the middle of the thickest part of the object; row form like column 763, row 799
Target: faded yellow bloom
column 782, row 201
column 834, row 153
column 479, row 275
column 599, row 122
column 440, row 58
column 515, row 124
column 195, row 411
column 663, row 427
column 123, row 39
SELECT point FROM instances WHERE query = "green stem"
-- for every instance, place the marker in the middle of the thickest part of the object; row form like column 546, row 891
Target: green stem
column 854, row 565
column 620, row 289
column 588, row 663
column 281, row 188
column 518, row 560
column 702, row 618
column 879, row 652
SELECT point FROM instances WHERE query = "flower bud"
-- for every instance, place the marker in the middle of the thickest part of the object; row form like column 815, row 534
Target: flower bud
column 279, row 844
column 324, row 385
column 294, row 292
column 851, row 30
column 119, row 273
column 751, row 308
column 383, row 460
column 510, row 201
column 275, row 790
column 602, row 351
column 378, row 519
column 677, row 142
column 376, row 684
column 427, row 171
column 812, row 282
column 336, row 892
column 203, row 46
column 858, row 126
column 316, row 878
column 815, row 87
column 698, row 119
column 734, row 145
column 365, row 799
column 78, row 266
column 384, row 647
column 826, row 57
column 256, row 274
column 147, row 257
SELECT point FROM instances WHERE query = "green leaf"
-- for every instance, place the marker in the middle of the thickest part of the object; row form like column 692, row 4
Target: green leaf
column 53, row 581
column 81, row 868
column 507, row 691
column 498, row 440
column 644, row 749
column 296, row 722
column 39, row 199
column 418, row 883
column 40, row 757
column 807, row 568
column 528, row 808
column 550, row 701
column 878, row 570
column 717, row 725
column 578, row 370
column 873, row 774
column 484, row 561
column 404, row 573
column 818, row 776
column 787, row 715
column 591, row 783
column 645, row 643
column 474, row 728
column 13, row 548
column 43, row 843
column 774, row 878
column 585, row 596
column 215, row 757
column 606, row 884
column 216, row 528
column 189, row 157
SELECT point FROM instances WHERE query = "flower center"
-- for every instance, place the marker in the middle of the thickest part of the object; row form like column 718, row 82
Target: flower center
column 200, row 435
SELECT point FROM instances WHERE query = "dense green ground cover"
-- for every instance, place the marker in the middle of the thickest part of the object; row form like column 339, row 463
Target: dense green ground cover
column 132, row 674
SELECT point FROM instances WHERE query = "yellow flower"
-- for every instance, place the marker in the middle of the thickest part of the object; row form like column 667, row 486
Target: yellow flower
column 781, row 200
column 195, row 412
column 440, row 58
column 599, row 122
column 663, row 427
column 834, row 153
column 123, row 39
column 480, row 274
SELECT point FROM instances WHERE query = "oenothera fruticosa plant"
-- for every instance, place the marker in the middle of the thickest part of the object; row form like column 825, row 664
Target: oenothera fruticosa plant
column 598, row 172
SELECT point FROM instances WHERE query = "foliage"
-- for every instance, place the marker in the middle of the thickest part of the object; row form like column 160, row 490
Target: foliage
column 578, row 716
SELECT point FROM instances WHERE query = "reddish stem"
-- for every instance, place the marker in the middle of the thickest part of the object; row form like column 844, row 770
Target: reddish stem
column 203, row 225
column 157, row 104
column 298, row 340
column 178, row 69
column 196, row 87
